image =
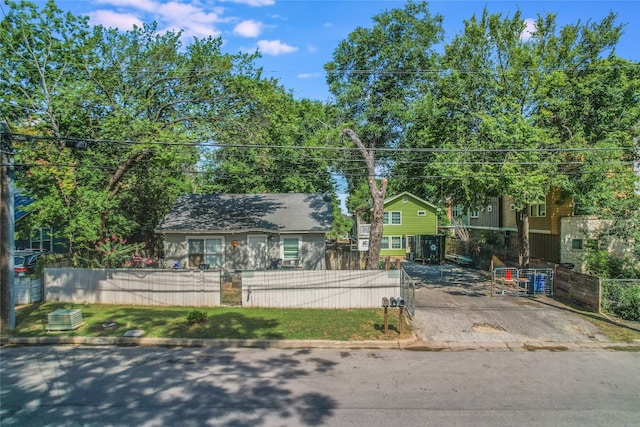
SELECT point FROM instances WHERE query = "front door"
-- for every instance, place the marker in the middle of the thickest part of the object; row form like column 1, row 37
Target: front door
column 257, row 246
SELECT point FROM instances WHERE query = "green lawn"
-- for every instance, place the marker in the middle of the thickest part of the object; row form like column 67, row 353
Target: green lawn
column 223, row 322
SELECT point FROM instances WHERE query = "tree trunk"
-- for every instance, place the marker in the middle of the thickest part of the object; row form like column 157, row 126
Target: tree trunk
column 377, row 195
column 524, row 249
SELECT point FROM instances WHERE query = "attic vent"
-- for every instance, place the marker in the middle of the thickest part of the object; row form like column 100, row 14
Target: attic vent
column 64, row 320
column 422, row 213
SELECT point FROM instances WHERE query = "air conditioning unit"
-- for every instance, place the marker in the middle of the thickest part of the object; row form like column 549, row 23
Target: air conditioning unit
column 64, row 320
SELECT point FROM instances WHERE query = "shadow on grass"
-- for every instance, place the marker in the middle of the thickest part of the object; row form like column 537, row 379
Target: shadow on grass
column 228, row 325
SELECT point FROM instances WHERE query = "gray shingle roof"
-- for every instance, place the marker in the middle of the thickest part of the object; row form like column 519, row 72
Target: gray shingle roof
column 286, row 212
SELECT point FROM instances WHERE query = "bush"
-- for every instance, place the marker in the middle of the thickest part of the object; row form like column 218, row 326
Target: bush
column 622, row 300
column 196, row 317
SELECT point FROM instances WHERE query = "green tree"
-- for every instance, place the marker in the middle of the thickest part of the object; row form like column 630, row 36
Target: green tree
column 492, row 126
column 374, row 74
column 63, row 83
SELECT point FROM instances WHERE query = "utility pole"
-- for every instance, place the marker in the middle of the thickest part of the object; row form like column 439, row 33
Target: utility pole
column 7, row 219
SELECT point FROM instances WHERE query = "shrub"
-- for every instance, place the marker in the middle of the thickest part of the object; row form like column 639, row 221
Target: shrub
column 622, row 300
column 196, row 317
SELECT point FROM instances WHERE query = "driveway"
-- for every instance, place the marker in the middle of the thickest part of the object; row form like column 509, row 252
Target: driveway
column 454, row 304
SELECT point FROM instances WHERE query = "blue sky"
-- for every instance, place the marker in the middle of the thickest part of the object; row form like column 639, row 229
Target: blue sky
column 297, row 37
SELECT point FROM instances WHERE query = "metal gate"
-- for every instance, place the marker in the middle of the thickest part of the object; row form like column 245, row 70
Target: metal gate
column 408, row 292
column 522, row 282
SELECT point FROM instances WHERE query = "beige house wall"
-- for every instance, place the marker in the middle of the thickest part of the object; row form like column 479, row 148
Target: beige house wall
column 583, row 229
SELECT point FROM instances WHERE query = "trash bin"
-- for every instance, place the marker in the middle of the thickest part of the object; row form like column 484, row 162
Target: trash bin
column 541, row 283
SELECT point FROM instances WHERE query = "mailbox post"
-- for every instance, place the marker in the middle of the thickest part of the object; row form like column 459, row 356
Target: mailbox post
column 385, row 305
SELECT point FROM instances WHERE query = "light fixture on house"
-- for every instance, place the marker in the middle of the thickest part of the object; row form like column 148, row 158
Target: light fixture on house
column 234, row 244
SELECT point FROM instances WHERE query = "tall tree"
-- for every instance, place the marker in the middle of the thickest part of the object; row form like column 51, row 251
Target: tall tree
column 129, row 90
column 375, row 73
column 487, row 131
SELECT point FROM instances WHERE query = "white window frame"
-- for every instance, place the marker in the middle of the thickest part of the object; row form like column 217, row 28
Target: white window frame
column 422, row 213
column 290, row 236
column 205, row 238
column 474, row 213
column 388, row 218
column 396, row 242
column 384, row 245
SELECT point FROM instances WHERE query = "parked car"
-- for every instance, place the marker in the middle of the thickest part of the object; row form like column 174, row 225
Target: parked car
column 26, row 263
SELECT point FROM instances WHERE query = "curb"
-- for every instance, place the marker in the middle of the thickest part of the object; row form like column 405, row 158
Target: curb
column 410, row 344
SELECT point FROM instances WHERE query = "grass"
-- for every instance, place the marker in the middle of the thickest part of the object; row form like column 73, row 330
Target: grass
column 223, row 322
column 614, row 330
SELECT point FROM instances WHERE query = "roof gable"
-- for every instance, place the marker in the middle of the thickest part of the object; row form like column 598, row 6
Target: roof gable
column 416, row 199
column 283, row 212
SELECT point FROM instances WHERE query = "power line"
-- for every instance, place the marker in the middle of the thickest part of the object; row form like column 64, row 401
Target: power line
column 21, row 137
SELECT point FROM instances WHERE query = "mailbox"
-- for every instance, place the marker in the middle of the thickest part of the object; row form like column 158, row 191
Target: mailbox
column 385, row 302
column 400, row 302
column 394, row 302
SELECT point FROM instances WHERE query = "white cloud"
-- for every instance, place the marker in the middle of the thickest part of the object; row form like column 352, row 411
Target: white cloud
column 309, row 75
column 275, row 47
column 172, row 16
column 529, row 29
column 254, row 2
column 312, row 48
column 327, row 24
column 110, row 19
column 249, row 28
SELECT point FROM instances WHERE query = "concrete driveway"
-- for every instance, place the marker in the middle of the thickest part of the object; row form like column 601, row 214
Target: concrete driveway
column 453, row 304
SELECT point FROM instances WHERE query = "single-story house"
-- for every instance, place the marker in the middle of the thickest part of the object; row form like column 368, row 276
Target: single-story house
column 247, row 231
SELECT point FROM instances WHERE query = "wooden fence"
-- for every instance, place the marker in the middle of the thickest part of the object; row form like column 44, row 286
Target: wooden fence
column 145, row 286
column 195, row 288
column 579, row 289
column 319, row 289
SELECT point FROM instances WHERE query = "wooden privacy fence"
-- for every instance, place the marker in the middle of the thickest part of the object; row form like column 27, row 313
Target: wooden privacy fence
column 319, row 288
column 272, row 288
column 145, row 286
column 578, row 288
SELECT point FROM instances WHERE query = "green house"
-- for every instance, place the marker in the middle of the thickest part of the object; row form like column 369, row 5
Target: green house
column 405, row 217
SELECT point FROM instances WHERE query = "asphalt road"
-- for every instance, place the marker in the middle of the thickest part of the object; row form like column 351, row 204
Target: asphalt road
column 142, row 386
column 454, row 304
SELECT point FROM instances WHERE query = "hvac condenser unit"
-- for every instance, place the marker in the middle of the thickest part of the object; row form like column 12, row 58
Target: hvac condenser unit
column 64, row 320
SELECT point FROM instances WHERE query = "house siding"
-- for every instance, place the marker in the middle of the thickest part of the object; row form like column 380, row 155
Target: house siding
column 241, row 257
column 411, row 225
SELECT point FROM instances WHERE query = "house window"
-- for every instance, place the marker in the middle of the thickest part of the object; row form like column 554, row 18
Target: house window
column 474, row 213
column 576, row 244
column 41, row 240
column 396, row 242
column 457, row 211
column 384, row 242
column 291, row 248
column 206, row 251
column 538, row 209
column 392, row 218
column 422, row 213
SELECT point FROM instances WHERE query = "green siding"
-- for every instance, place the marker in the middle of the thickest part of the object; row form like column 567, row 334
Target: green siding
column 412, row 224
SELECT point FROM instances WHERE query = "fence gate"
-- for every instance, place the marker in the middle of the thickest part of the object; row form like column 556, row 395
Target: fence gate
column 231, row 289
column 408, row 292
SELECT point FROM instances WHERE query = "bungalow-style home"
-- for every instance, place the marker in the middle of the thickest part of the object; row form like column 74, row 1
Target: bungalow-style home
column 247, row 231
column 499, row 217
column 407, row 219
